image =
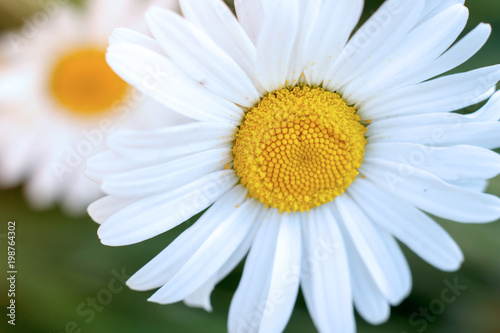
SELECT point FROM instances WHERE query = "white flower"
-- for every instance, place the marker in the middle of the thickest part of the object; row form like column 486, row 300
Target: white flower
column 58, row 97
column 291, row 111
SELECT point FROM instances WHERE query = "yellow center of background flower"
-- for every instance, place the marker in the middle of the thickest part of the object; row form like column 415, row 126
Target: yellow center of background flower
column 299, row 148
column 83, row 82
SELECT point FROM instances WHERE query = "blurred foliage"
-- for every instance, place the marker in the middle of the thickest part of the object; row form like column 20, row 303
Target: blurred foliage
column 61, row 263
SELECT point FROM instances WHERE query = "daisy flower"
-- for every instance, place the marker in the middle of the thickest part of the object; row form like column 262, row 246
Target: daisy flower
column 58, row 97
column 313, row 148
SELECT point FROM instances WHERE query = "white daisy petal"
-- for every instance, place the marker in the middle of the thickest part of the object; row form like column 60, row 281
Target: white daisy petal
column 378, row 36
column 275, row 43
column 490, row 111
column 404, row 277
column 433, row 8
column 103, row 208
column 105, row 163
column 268, row 288
column 326, row 42
column 201, row 297
column 422, row 45
column 325, row 276
column 240, row 253
column 164, row 144
column 156, row 214
column 450, row 163
column 168, row 262
column 368, row 300
column 418, row 231
column 431, row 194
column 194, row 52
column 387, row 126
column 440, row 130
column 448, row 93
column 308, row 15
column 168, row 176
column 215, row 251
column 214, row 17
column 459, row 53
column 381, row 257
column 128, row 36
column 471, row 184
column 250, row 16
column 158, row 77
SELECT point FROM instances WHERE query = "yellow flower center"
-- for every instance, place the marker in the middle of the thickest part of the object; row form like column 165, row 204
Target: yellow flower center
column 299, row 148
column 83, row 82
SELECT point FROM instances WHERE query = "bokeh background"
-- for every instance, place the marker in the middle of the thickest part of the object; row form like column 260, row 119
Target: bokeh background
column 62, row 265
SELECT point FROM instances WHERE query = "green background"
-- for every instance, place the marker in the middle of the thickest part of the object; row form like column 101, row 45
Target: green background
column 61, row 263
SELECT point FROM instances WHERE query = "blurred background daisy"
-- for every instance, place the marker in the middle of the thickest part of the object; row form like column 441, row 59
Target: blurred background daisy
column 59, row 97
column 67, row 280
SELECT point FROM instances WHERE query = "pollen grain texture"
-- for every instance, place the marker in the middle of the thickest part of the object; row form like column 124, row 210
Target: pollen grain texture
column 299, row 148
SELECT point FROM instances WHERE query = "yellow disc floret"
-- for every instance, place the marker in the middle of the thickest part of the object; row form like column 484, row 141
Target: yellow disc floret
column 84, row 84
column 299, row 148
